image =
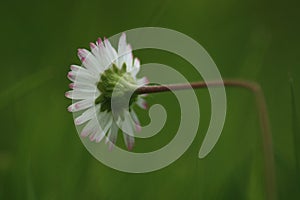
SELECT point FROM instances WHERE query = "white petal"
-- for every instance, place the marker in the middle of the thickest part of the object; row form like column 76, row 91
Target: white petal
column 122, row 44
column 94, row 47
column 89, row 128
column 76, row 68
column 93, row 90
column 136, row 121
column 98, row 52
column 82, row 76
column 112, row 135
column 99, row 135
column 93, row 135
column 142, row 103
column 87, row 115
column 83, row 86
column 103, row 119
column 74, row 94
column 79, row 69
column 81, row 105
column 129, row 141
column 124, row 53
column 127, row 125
column 89, row 60
column 128, row 128
column 111, row 52
column 102, row 55
column 103, row 131
column 129, row 58
column 142, row 81
column 136, row 67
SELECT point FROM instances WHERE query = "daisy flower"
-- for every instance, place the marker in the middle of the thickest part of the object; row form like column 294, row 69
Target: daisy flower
column 104, row 71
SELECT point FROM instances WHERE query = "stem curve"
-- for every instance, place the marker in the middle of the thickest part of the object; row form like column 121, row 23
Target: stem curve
column 269, row 165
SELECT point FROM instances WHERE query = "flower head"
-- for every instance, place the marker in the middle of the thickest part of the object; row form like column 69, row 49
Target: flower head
column 105, row 74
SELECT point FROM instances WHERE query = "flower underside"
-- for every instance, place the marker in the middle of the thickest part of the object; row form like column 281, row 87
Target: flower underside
column 119, row 85
column 104, row 89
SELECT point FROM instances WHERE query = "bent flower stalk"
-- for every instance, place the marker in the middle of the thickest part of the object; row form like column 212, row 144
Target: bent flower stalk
column 105, row 71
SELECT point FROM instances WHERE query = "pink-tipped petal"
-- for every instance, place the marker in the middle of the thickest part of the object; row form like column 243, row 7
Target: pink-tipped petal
column 138, row 128
column 70, row 108
column 92, row 46
column 71, row 75
column 77, row 121
column 75, row 67
column 129, row 49
column 111, row 140
column 93, row 137
column 84, row 133
column 99, row 41
column 147, row 80
column 77, row 106
column 130, row 146
column 68, row 95
column 71, row 85
column 82, row 54
column 111, row 146
column 145, row 105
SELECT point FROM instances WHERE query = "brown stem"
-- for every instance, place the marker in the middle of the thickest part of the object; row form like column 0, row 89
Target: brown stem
column 255, row 88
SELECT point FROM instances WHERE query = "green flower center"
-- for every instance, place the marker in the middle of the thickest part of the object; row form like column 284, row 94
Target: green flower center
column 117, row 82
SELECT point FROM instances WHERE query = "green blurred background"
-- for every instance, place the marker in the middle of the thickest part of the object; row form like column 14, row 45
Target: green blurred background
column 41, row 156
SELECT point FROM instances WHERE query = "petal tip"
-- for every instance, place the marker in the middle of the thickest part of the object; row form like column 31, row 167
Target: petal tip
column 138, row 127
column 92, row 46
column 99, row 41
column 145, row 105
column 77, row 122
column 130, row 147
column 67, row 94
column 70, row 108
column 71, row 85
column 84, row 134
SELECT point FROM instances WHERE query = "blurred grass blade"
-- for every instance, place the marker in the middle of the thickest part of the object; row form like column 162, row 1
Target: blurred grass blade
column 295, row 125
column 23, row 86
